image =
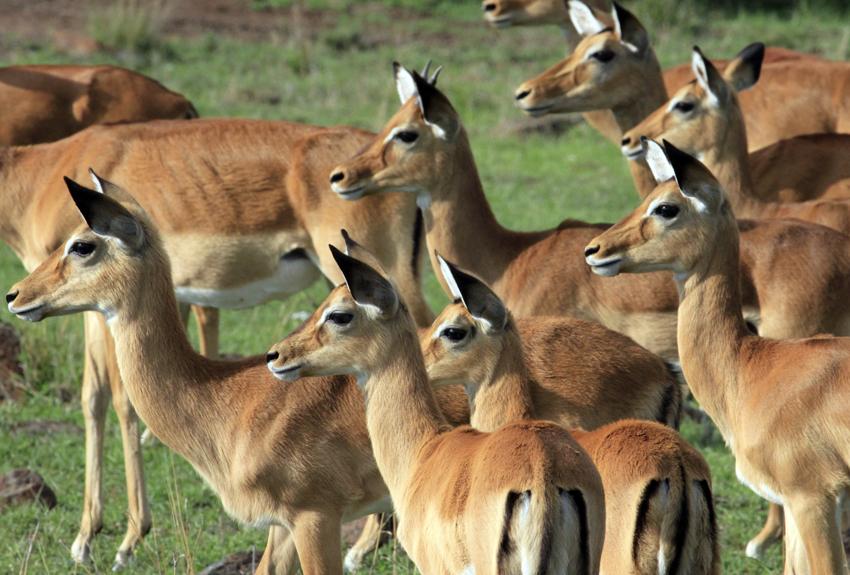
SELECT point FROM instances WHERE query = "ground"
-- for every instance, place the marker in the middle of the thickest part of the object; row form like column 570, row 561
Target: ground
column 327, row 63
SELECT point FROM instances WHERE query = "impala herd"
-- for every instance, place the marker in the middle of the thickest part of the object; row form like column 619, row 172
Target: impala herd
column 530, row 428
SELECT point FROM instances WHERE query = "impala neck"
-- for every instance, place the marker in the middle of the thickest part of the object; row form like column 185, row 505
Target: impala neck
column 402, row 413
column 15, row 199
column 461, row 226
column 170, row 385
column 711, row 326
column 504, row 396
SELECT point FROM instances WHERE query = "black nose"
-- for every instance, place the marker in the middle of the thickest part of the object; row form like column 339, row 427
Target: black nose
column 523, row 94
column 271, row 356
column 10, row 297
column 489, row 7
column 590, row 250
column 337, row 177
column 626, row 141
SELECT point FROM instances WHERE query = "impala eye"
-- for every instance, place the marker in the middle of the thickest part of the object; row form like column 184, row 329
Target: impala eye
column 407, row 136
column 82, row 249
column 666, row 211
column 684, row 107
column 454, row 334
column 340, row 317
column 603, row 55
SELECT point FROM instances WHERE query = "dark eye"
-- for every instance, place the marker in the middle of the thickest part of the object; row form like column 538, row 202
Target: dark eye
column 684, row 106
column 82, row 249
column 340, row 317
column 603, row 55
column 407, row 136
column 666, row 211
column 453, row 334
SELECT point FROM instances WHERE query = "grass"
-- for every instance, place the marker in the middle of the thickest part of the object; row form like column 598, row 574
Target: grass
column 343, row 77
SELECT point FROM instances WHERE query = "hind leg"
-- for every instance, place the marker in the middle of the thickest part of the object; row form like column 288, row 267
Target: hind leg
column 774, row 527
column 279, row 557
column 371, row 538
column 207, row 320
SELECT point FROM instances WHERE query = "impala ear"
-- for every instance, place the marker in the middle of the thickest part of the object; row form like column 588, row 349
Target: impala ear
column 105, row 216
column 744, row 71
column 367, row 286
column 584, row 20
column 479, row 300
column 695, row 181
column 114, row 191
column 629, row 29
column 356, row 250
column 404, row 83
column 436, row 109
column 662, row 169
column 708, row 77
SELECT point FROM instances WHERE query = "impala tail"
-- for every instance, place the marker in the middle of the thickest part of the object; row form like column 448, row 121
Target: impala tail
column 546, row 533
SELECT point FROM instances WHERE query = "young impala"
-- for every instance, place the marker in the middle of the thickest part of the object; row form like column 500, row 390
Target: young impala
column 296, row 457
column 778, row 404
column 659, row 510
column 704, row 119
column 523, row 499
column 423, row 150
column 243, row 209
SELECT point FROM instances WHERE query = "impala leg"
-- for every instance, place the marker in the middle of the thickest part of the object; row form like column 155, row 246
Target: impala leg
column 371, row 537
column 206, row 318
column 318, row 540
column 95, row 399
column 815, row 546
column 769, row 534
column 279, row 557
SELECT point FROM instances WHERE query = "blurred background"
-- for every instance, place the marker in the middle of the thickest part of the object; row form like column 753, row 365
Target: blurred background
column 329, row 62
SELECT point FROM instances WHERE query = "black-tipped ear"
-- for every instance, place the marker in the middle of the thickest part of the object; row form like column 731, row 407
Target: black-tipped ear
column 112, row 190
column 695, row 181
column 629, row 29
column 105, row 216
column 707, row 75
column 481, row 302
column 744, row 70
column 350, row 244
column 366, row 285
column 436, row 108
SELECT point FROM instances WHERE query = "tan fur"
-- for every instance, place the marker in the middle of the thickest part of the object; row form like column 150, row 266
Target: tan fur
column 632, row 456
column 457, row 492
column 47, row 103
column 777, row 403
column 635, row 80
column 246, row 194
column 793, row 274
column 254, row 440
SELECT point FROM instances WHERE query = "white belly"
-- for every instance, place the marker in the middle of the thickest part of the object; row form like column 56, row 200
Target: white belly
column 760, row 488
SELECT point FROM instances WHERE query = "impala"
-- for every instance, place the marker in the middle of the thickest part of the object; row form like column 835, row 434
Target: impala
column 777, row 403
column 241, row 208
column 523, row 499
column 809, row 87
column 254, row 441
column 47, row 103
column 659, row 509
column 423, row 150
column 704, row 119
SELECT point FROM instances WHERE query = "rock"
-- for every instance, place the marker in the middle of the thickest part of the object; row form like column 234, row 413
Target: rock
column 241, row 563
column 23, row 486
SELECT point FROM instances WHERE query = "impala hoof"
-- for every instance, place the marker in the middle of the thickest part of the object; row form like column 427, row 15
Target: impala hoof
column 352, row 561
column 122, row 559
column 754, row 550
column 80, row 550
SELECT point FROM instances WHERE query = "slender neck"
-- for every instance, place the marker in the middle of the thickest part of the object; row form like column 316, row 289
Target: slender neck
column 170, row 385
column 505, row 395
column 459, row 223
column 711, row 325
column 402, row 413
column 16, row 199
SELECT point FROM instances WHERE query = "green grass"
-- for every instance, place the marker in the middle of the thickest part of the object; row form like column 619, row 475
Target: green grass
column 343, row 76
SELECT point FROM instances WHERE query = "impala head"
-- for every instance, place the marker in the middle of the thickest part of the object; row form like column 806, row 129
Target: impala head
column 604, row 71
column 465, row 342
column 355, row 330
column 408, row 153
column 673, row 226
column 704, row 115
column 507, row 13
column 94, row 268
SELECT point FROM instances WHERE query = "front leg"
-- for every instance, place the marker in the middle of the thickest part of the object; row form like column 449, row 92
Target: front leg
column 769, row 534
column 279, row 557
column 207, row 320
column 813, row 542
column 372, row 536
column 318, row 540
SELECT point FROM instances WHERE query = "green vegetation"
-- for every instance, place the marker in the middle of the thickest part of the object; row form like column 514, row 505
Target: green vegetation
column 342, row 75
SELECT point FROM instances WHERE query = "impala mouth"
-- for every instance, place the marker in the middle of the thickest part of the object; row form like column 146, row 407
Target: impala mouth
column 287, row 372
column 537, row 111
column 32, row 313
column 504, row 21
column 607, row 267
column 633, row 153
column 354, row 193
